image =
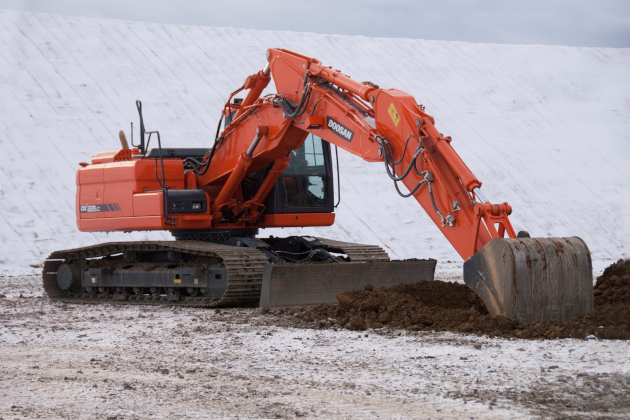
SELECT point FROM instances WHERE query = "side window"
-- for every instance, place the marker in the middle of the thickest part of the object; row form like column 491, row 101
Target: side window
column 308, row 159
column 313, row 151
column 303, row 180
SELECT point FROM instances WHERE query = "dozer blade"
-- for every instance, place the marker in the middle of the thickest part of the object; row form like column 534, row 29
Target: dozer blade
column 533, row 279
column 308, row 284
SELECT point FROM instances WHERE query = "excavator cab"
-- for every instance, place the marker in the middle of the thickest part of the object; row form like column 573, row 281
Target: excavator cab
column 305, row 186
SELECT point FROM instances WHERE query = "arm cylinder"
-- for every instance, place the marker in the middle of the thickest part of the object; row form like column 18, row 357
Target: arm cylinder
column 479, row 195
column 442, row 144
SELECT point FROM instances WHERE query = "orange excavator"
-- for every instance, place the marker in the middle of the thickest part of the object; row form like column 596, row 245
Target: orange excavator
column 272, row 166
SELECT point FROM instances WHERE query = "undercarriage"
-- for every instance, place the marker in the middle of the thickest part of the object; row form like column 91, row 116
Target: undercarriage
column 238, row 271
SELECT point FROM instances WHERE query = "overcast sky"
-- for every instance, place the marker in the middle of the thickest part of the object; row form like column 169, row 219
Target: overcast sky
column 586, row 23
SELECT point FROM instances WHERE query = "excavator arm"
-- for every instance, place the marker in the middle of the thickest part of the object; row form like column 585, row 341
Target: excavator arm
column 379, row 125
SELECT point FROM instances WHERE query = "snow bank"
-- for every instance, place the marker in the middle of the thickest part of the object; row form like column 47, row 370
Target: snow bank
column 546, row 128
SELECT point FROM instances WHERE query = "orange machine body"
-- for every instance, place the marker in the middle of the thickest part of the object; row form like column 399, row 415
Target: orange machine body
column 126, row 196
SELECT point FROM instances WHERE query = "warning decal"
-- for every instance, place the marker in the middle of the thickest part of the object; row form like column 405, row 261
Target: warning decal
column 394, row 114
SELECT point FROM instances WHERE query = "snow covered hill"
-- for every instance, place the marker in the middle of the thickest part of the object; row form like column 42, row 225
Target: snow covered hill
column 545, row 128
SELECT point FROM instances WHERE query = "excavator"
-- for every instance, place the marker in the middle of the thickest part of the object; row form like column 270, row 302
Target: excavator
column 272, row 166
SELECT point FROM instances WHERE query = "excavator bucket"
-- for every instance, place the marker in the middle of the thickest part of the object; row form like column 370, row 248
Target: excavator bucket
column 533, row 279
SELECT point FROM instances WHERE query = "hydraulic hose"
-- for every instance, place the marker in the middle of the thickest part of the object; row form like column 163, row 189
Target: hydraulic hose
column 194, row 163
column 389, row 161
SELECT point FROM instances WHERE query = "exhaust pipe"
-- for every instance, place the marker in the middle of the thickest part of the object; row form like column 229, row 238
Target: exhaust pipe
column 123, row 139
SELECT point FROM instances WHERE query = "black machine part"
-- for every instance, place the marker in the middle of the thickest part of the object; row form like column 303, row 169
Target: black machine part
column 210, row 281
column 177, row 153
column 204, row 274
column 187, row 201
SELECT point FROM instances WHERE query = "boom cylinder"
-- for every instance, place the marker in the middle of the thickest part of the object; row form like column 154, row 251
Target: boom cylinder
column 256, row 84
column 339, row 79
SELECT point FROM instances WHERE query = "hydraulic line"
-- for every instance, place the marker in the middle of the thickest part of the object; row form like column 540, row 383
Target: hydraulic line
column 429, row 177
column 404, row 150
column 162, row 182
column 338, row 179
column 389, row 161
column 292, row 110
column 424, row 181
column 434, row 206
column 194, row 163
column 311, row 253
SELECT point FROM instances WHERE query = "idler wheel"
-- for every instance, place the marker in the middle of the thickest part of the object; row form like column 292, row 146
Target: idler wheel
column 64, row 276
column 69, row 276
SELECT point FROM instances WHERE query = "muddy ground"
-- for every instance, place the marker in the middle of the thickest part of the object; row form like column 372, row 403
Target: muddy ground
column 446, row 306
column 64, row 361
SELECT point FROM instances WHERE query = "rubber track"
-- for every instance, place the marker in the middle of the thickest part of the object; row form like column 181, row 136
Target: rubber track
column 245, row 268
column 358, row 252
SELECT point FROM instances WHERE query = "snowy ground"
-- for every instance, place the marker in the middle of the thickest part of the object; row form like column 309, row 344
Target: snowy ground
column 545, row 128
column 60, row 361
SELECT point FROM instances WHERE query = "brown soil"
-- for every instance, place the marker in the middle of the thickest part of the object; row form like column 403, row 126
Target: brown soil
column 441, row 306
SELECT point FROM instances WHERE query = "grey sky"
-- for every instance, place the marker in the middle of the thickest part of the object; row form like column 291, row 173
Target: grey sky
column 602, row 23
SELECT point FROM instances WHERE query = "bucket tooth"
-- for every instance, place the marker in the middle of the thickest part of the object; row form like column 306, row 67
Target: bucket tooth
column 533, row 279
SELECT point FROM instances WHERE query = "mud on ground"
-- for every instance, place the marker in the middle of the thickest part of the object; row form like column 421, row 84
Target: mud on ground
column 105, row 362
column 443, row 306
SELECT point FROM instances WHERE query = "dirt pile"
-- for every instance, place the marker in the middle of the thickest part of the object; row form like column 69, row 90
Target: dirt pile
column 613, row 287
column 440, row 306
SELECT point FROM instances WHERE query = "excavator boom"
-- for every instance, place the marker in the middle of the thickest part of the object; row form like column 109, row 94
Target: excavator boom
column 278, row 146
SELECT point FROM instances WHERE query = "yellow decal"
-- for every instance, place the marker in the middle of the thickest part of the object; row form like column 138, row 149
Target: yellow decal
column 178, row 280
column 394, row 114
